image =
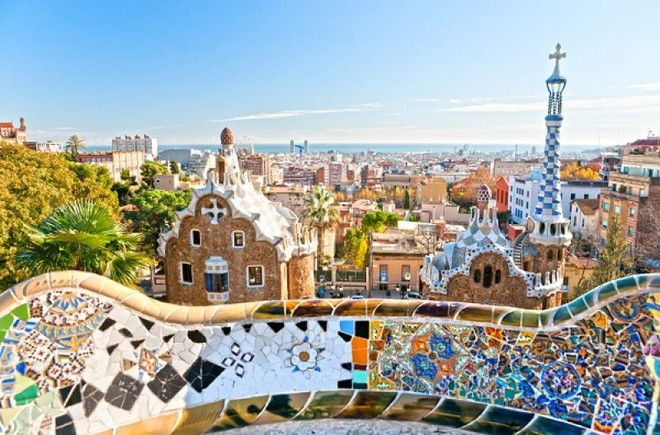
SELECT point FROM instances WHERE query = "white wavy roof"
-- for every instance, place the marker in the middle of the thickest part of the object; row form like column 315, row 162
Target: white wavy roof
column 272, row 223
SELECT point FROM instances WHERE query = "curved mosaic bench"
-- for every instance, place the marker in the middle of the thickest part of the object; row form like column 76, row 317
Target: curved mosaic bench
column 82, row 354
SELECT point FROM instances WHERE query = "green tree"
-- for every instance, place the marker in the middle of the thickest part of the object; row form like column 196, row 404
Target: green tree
column 32, row 185
column 155, row 210
column 74, row 144
column 378, row 221
column 123, row 191
column 351, row 243
column 321, row 214
column 615, row 260
column 361, row 256
column 83, row 235
column 174, row 167
column 149, row 170
column 356, row 247
column 95, row 181
column 406, row 200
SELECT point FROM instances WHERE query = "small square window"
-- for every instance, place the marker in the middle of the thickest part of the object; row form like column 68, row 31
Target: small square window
column 196, row 238
column 186, row 273
column 255, row 276
column 238, row 239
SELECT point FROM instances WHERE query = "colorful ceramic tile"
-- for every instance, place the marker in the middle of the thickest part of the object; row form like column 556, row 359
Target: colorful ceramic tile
column 71, row 360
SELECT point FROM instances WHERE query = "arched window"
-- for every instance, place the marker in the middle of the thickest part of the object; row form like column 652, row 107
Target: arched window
column 550, row 256
column 542, row 228
column 477, row 275
column 498, row 276
column 560, row 253
column 488, row 276
column 553, row 229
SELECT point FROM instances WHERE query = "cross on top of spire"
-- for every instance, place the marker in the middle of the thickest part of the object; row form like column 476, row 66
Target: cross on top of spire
column 557, row 55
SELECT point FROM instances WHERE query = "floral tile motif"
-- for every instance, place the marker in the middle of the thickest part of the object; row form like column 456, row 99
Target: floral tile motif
column 304, row 357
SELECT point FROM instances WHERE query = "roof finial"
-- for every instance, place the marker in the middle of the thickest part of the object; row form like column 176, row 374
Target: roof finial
column 556, row 56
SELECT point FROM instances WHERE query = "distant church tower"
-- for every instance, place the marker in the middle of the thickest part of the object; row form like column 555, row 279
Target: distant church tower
column 549, row 231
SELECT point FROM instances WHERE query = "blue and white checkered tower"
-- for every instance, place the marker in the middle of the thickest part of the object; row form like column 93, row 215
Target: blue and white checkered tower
column 549, row 226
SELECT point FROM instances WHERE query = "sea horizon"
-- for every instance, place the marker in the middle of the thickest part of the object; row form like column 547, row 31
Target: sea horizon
column 379, row 148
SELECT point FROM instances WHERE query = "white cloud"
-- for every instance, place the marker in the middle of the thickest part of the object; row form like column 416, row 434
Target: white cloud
column 375, row 105
column 645, row 86
column 427, row 100
column 631, row 104
column 296, row 113
column 497, row 107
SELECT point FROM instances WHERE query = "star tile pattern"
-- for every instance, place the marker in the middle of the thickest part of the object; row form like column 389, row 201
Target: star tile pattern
column 575, row 368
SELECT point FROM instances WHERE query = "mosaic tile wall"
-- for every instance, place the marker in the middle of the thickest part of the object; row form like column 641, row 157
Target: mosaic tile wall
column 75, row 360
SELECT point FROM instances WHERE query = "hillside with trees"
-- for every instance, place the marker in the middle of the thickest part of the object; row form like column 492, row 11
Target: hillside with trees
column 32, row 186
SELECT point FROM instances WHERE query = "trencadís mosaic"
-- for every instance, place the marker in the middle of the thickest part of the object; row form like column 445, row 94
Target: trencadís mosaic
column 73, row 359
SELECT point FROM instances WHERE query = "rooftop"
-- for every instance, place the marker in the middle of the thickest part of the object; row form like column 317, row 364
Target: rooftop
column 589, row 207
column 583, row 262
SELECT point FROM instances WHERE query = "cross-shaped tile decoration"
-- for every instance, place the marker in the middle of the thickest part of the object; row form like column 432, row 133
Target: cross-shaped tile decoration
column 214, row 212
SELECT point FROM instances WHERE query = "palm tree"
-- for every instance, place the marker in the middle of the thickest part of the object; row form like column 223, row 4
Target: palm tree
column 321, row 215
column 83, row 235
column 75, row 144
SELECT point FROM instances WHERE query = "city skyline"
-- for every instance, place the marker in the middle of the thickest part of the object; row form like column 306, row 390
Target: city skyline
column 331, row 73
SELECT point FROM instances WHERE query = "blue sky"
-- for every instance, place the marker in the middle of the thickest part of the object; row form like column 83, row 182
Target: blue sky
column 329, row 71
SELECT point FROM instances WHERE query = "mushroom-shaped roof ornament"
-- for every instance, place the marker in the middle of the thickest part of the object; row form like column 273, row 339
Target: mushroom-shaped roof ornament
column 227, row 136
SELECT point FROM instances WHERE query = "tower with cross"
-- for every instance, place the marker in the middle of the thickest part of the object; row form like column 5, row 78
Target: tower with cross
column 549, row 232
column 548, row 206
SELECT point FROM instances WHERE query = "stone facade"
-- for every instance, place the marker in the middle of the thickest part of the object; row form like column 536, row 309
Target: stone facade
column 231, row 244
column 216, row 241
column 503, row 289
column 301, row 277
column 547, row 259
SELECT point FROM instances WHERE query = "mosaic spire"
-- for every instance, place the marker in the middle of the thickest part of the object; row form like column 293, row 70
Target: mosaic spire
column 548, row 206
